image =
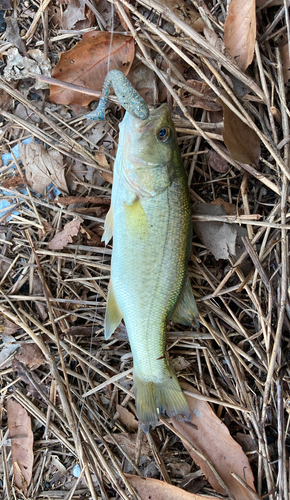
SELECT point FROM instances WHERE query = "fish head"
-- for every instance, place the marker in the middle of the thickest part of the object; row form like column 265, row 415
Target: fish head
column 149, row 152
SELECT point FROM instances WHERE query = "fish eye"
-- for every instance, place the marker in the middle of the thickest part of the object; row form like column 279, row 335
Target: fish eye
column 164, row 134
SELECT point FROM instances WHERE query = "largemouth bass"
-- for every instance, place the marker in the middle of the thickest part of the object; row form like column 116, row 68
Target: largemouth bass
column 150, row 219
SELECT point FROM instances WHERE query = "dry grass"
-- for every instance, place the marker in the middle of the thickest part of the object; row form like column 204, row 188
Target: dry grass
column 240, row 355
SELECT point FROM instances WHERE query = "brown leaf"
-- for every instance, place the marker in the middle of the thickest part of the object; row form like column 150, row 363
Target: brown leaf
column 285, row 62
column 217, row 162
column 12, row 34
column 230, row 208
column 159, row 490
column 240, row 32
column 107, row 176
column 122, row 20
column 30, row 355
column 128, row 442
column 5, row 5
column 101, row 158
column 127, row 418
column 10, row 327
column 210, row 436
column 206, row 100
column 179, row 469
column 73, row 13
column 185, row 12
column 42, row 167
column 64, row 237
column 143, row 80
column 241, row 140
column 218, row 237
column 19, row 425
column 86, row 64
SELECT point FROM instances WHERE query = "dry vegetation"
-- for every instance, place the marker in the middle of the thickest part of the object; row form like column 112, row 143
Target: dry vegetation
column 54, row 270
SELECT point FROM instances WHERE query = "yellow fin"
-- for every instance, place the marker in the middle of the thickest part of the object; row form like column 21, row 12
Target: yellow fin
column 108, row 232
column 153, row 399
column 136, row 219
column 185, row 311
column 113, row 316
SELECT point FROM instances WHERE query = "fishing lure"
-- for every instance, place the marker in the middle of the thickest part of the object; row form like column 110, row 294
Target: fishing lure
column 127, row 95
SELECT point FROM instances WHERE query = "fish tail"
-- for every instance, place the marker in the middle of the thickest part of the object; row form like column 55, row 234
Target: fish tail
column 153, row 398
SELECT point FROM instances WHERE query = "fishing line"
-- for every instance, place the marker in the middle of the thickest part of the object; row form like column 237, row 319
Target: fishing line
column 98, row 295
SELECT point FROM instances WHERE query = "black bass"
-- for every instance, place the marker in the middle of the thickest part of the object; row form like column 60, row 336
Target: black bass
column 150, row 219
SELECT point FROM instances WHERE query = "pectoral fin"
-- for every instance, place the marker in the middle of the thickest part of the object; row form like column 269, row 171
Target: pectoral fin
column 108, row 232
column 185, row 311
column 113, row 316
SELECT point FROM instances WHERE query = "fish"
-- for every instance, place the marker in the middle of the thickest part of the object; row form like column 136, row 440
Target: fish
column 151, row 224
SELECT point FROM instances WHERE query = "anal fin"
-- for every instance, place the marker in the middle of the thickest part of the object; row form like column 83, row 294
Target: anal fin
column 108, row 232
column 185, row 311
column 113, row 316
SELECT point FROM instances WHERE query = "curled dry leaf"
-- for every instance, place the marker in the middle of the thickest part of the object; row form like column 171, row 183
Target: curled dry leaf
column 30, row 355
column 210, row 436
column 230, row 208
column 128, row 442
column 19, row 67
column 20, row 433
column 64, row 237
column 13, row 35
column 206, row 99
column 241, row 140
column 159, row 490
column 217, row 162
column 127, row 418
column 218, row 237
column 10, row 327
column 240, row 32
column 86, row 64
column 74, row 13
column 42, row 167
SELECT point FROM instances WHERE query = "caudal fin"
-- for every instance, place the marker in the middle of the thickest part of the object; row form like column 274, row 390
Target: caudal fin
column 153, row 399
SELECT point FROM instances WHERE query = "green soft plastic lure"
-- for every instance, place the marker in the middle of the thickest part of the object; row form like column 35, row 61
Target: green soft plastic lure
column 150, row 219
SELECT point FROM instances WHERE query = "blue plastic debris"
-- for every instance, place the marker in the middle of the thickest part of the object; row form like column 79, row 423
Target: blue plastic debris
column 76, row 470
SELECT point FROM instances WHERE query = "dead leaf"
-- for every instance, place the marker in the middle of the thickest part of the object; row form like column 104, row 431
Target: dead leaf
column 186, row 12
column 64, row 237
column 73, row 13
column 159, row 490
column 30, row 355
column 241, row 140
column 206, row 100
column 127, row 418
column 210, row 436
column 12, row 34
column 42, row 167
column 214, row 39
column 9, row 327
column 9, row 345
column 240, row 32
column 285, row 62
column 128, row 442
column 101, row 158
column 122, row 20
column 179, row 363
column 230, row 208
column 86, row 64
column 19, row 67
column 179, row 469
column 143, row 80
column 20, row 433
column 217, row 162
column 5, row 5
column 218, row 237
